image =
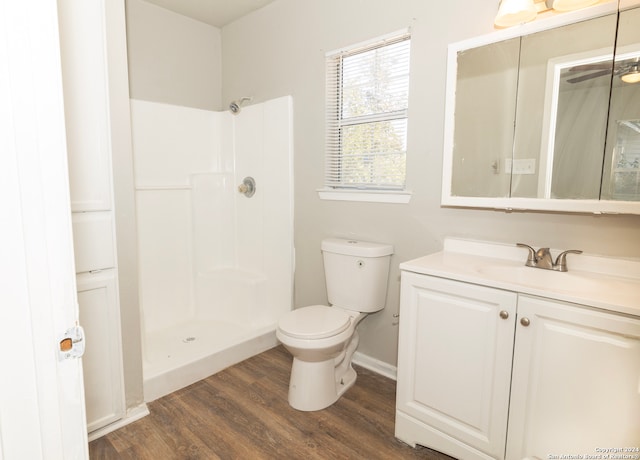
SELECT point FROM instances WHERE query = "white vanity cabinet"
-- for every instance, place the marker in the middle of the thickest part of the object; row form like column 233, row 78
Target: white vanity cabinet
column 489, row 369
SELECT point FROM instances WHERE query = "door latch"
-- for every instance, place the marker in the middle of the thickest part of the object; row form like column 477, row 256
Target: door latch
column 71, row 344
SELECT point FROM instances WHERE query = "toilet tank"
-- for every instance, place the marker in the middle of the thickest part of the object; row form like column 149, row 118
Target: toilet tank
column 356, row 273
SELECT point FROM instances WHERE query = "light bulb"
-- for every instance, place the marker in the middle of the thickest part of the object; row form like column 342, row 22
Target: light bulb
column 632, row 76
column 514, row 12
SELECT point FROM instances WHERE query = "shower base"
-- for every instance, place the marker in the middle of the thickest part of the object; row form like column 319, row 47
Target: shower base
column 182, row 355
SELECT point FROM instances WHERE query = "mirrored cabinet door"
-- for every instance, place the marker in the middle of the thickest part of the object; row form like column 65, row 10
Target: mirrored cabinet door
column 621, row 175
column 538, row 117
column 486, row 85
column 562, row 106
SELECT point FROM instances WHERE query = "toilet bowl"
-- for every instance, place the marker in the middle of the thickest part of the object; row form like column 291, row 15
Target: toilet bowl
column 321, row 338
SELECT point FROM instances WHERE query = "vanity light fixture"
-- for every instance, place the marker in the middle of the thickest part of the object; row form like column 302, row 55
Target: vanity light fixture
column 632, row 75
column 514, row 12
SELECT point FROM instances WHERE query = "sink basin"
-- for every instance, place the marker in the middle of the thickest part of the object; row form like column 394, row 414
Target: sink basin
column 595, row 281
column 577, row 282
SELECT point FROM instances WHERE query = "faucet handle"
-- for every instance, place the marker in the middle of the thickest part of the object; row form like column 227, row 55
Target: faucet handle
column 561, row 260
column 531, row 258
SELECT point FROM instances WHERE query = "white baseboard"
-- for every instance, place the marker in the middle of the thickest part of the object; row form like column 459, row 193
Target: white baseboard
column 375, row 365
column 133, row 414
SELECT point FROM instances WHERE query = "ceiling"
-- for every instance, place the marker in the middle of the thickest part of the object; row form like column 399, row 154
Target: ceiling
column 218, row 13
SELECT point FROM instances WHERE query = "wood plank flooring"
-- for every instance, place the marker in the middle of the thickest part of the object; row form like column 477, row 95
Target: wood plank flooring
column 243, row 413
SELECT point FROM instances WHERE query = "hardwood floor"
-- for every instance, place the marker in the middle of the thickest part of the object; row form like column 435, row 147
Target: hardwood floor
column 243, row 413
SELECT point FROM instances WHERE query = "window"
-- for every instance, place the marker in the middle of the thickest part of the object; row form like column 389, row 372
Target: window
column 367, row 102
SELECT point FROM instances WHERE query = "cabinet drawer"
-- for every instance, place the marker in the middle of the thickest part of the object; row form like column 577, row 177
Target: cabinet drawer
column 93, row 241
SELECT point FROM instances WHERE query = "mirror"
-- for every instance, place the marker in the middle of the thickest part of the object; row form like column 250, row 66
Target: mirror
column 543, row 121
column 561, row 119
column 621, row 174
column 485, row 107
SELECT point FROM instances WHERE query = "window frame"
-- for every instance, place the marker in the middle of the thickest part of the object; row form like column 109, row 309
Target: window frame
column 334, row 188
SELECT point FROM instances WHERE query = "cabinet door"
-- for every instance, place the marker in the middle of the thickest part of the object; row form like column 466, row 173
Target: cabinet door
column 102, row 361
column 454, row 366
column 576, row 377
column 84, row 72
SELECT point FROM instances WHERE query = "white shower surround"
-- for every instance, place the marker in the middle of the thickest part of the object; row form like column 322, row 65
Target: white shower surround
column 216, row 267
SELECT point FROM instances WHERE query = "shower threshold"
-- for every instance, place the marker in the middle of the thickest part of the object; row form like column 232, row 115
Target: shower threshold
column 185, row 354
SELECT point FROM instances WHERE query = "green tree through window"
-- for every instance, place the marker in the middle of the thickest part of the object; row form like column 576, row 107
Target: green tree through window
column 367, row 117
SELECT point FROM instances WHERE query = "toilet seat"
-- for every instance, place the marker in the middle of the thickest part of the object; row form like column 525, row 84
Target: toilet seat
column 314, row 322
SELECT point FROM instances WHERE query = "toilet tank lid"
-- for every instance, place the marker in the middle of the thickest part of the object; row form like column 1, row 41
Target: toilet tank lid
column 356, row 248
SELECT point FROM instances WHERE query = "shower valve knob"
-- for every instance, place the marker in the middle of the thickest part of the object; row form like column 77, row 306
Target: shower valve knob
column 248, row 187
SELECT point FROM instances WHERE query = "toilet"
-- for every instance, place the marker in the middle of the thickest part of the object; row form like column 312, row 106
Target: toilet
column 322, row 339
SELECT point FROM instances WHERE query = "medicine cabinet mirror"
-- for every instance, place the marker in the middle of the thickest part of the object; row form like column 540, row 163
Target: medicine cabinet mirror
column 544, row 120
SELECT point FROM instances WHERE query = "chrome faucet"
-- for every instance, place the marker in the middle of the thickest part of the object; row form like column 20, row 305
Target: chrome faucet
column 542, row 258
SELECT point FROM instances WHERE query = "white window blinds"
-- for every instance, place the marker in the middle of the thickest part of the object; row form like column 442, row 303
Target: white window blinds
column 366, row 121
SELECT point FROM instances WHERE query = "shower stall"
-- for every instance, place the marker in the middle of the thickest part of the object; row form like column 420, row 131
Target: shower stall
column 215, row 261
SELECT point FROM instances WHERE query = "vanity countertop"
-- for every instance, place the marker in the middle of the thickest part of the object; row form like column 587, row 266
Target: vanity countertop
column 599, row 282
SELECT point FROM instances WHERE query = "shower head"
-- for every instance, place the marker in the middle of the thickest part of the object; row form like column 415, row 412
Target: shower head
column 234, row 107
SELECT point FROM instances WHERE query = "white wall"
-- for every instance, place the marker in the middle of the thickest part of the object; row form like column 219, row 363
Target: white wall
column 172, row 58
column 280, row 50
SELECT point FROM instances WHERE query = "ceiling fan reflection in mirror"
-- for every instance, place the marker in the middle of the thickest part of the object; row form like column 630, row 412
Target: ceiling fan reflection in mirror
column 628, row 71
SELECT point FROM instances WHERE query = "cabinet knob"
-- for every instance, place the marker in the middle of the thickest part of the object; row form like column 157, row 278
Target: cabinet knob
column 525, row 321
column 504, row 314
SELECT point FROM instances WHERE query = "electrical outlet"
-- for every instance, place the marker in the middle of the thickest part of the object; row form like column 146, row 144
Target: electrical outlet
column 520, row 166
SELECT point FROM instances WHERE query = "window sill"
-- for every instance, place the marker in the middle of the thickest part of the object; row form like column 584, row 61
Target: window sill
column 371, row 196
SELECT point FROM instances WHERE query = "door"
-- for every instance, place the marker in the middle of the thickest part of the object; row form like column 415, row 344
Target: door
column 575, row 382
column 454, row 365
column 41, row 396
